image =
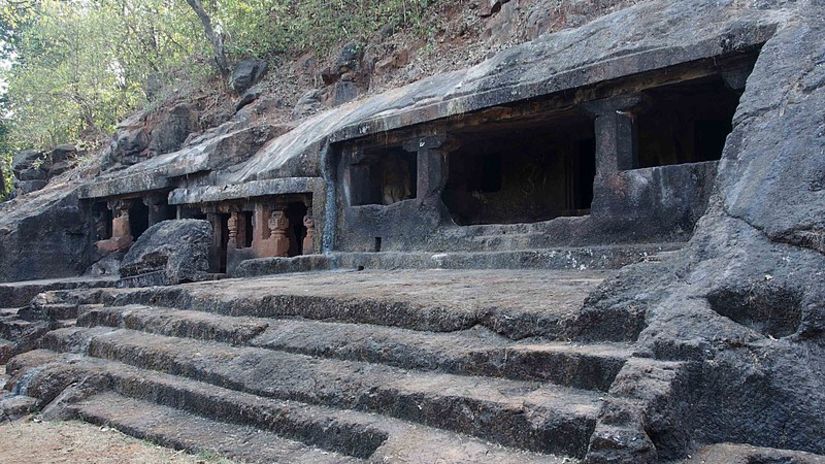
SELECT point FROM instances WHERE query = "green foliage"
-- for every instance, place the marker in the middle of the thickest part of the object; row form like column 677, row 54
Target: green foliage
column 265, row 27
column 79, row 66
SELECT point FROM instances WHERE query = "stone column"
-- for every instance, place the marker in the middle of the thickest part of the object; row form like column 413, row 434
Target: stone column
column 308, row 247
column 217, row 241
column 261, row 229
column 158, row 208
column 616, row 138
column 278, row 225
column 232, row 225
column 432, row 164
column 121, row 238
column 277, row 245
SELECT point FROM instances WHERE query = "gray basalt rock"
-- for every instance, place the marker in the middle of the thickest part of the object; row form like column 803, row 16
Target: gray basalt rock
column 173, row 128
column 247, row 73
column 42, row 235
column 170, row 252
column 743, row 302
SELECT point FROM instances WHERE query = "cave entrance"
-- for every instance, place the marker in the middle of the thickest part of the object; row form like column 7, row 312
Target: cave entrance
column 222, row 240
column 295, row 212
column 686, row 122
column 102, row 218
column 383, row 176
column 138, row 218
column 522, row 172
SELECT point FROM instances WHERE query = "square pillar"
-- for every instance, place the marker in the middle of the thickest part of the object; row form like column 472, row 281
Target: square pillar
column 261, row 230
column 217, row 241
column 159, row 210
column 616, row 134
column 431, row 164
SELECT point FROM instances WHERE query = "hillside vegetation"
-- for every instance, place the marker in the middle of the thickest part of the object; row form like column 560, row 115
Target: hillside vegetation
column 73, row 68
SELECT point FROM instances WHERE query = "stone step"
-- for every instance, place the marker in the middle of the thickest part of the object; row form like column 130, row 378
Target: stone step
column 21, row 293
column 528, row 415
column 515, row 304
column 507, row 252
column 476, row 351
column 181, row 430
column 516, row 251
column 55, row 311
column 511, row 241
column 502, row 229
column 351, row 433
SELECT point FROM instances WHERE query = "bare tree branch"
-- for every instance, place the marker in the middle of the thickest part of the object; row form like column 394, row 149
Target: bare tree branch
column 215, row 39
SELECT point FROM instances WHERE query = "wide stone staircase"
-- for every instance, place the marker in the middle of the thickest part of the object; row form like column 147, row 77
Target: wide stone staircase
column 339, row 369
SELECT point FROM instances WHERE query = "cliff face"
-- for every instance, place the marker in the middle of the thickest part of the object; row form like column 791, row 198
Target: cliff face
column 741, row 307
column 744, row 300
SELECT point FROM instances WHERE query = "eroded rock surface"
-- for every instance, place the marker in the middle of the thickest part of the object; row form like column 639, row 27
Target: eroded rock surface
column 743, row 302
column 170, row 252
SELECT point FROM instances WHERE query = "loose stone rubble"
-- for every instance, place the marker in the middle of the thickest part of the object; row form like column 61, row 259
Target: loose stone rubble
column 604, row 246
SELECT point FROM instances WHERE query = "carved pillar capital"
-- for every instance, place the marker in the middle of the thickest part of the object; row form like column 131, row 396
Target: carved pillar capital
column 308, row 246
column 232, row 224
column 278, row 223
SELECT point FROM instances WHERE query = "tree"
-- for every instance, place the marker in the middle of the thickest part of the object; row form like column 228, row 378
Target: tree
column 215, row 39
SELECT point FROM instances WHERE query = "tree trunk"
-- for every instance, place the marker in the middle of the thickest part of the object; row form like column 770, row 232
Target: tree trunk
column 2, row 184
column 215, row 39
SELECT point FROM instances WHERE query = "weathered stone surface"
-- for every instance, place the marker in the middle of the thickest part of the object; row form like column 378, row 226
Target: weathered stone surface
column 177, row 249
column 23, row 164
column 13, row 407
column 173, row 128
column 246, row 74
column 248, row 97
column 730, row 330
column 744, row 299
column 43, row 235
column 20, row 293
column 213, row 151
column 308, row 104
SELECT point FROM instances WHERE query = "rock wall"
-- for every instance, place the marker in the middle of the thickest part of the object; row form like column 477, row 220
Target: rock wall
column 743, row 305
column 43, row 235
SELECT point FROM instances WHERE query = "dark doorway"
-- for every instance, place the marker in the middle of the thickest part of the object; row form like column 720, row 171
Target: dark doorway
column 295, row 212
column 383, row 176
column 249, row 228
column 522, row 172
column 223, row 247
column 138, row 218
column 686, row 122
column 102, row 218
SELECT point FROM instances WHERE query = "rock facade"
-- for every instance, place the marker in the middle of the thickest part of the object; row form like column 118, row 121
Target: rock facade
column 168, row 253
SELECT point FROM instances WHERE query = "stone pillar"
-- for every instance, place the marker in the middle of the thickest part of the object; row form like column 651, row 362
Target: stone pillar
column 616, row 138
column 158, row 208
column 215, row 257
column 232, row 225
column 278, row 225
column 308, row 247
column 121, row 238
column 432, row 164
column 261, row 229
column 277, row 245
